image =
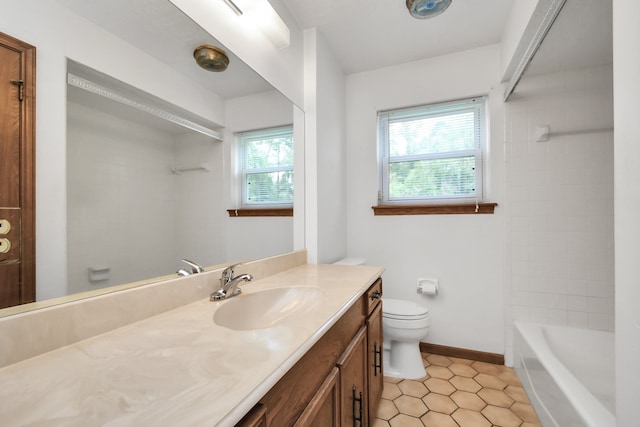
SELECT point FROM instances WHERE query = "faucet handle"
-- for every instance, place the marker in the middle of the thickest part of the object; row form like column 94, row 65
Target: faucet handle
column 227, row 273
column 195, row 267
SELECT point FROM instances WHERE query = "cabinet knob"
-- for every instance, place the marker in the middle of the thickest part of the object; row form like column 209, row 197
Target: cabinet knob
column 376, row 295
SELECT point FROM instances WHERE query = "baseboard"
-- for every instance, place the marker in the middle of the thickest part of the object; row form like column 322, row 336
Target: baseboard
column 462, row 353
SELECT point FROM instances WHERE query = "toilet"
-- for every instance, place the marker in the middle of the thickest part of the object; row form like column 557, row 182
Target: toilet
column 404, row 325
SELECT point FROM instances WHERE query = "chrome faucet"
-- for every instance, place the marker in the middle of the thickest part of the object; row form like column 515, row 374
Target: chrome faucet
column 229, row 284
column 195, row 268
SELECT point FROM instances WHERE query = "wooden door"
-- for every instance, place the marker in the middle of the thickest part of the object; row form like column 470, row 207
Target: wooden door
column 17, row 172
column 353, row 382
column 374, row 362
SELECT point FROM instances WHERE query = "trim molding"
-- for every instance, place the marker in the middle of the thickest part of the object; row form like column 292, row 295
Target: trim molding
column 462, row 353
column 260, row 212
column 449, row 209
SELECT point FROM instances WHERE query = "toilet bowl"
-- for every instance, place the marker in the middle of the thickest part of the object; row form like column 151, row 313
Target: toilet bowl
column 404, row 325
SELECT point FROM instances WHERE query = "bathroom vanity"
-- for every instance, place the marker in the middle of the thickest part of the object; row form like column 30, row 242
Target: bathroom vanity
column 336, row 383
column 180, row 367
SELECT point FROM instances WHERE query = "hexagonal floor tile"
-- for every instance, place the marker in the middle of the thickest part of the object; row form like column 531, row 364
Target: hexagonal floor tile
column 501, row 416
column 439, row 386
column 410, row 405
column 391, row 391
column 413, row 388
column 465, row 384
column 487, row 368
column 387, row 410
column 392, row 380
column 490, row 381
column 439, row 403
column 495, row 397
column 467, row 400
column 525, row 412
column 441, row 372
column 379, row 423
column 456, row 393
column 405, row 421
column 436, row 359
column 517, row 393
column 435, row 419
column 469, row 418
column 463, row 370
column 509, row 376
column 459, row 360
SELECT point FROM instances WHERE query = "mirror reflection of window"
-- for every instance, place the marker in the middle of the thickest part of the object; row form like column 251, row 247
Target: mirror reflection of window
column 266, row 168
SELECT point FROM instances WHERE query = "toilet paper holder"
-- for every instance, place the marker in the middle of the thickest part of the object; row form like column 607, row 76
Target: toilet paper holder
column 427, row 286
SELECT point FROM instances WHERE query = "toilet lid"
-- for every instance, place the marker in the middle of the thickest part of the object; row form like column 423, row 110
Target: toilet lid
column 399, row 309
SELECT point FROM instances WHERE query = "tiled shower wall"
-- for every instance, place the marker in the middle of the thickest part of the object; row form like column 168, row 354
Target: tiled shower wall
column 560, row 253
column 126, row 209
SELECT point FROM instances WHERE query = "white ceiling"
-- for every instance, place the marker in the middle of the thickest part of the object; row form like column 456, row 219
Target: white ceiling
column 364, row 34
column 370, row 34
column 164, row 32
column 581, row 37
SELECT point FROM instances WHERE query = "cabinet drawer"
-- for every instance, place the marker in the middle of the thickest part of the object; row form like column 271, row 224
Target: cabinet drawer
column 374, row 296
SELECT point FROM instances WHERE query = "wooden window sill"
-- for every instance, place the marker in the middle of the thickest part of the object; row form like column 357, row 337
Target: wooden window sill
column 452, row 209
column 260, row 212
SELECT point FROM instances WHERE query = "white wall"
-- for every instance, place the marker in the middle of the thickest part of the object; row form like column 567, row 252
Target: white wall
column 47, row 25
column 325, row 147
column 465, row 252
column 626, row 66
column 560, row 199
column 198, row 201
column 254, row 237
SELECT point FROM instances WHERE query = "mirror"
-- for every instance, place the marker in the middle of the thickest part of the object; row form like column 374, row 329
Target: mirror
column 141, row 192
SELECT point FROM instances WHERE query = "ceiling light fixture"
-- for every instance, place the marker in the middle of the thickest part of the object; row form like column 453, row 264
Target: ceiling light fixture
column 423, row 9
column 211, row 58
column 261, row 14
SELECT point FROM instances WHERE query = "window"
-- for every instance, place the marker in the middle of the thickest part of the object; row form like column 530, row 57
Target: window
column 432, row 154
column 267, row 167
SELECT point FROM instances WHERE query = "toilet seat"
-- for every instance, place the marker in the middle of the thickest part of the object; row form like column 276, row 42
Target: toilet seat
column 403, row 310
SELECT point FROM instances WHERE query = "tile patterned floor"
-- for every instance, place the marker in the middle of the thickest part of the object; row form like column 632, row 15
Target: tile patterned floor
column 456, row 393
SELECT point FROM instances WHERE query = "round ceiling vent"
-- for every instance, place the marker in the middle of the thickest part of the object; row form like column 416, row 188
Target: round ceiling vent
column 211, row 58
column 423, row 9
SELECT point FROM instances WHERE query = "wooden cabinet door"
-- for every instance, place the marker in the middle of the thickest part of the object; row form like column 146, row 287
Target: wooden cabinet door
column 353, row 382
column 374, row 360
column 324, row 408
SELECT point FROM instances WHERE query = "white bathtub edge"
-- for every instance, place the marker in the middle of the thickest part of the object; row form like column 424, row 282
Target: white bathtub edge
column 590, row 409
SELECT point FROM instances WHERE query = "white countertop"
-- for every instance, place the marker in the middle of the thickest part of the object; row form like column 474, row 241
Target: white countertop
column 177, row 368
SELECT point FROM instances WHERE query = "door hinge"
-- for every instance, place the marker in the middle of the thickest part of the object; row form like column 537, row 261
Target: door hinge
column 20, row 84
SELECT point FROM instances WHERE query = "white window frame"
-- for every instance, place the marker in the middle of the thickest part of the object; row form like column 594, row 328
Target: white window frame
column 242, row 138
column 475, row 104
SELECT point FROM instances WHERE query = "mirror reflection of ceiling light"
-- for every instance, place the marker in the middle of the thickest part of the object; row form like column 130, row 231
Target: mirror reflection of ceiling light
column 423, row 9
column 262, row 15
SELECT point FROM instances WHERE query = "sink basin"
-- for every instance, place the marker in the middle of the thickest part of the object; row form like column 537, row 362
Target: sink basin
column 263, row 309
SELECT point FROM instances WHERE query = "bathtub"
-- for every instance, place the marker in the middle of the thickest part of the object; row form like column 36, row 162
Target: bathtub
column 568, row 374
